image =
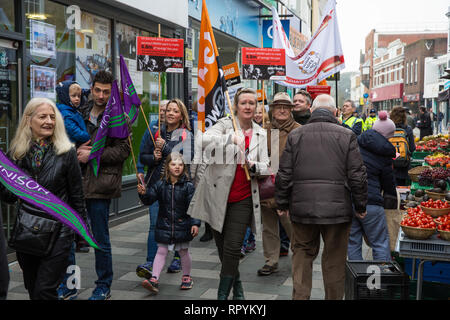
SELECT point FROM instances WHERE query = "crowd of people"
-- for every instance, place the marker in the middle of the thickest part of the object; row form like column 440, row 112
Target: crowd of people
column 335, row 178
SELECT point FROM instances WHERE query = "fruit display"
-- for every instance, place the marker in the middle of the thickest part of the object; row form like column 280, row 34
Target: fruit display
column 433, row 143
column 416, row 218
column 429, row 177
column 426, row 178
column 438, row 159
column 438, row 204
column 443, row 220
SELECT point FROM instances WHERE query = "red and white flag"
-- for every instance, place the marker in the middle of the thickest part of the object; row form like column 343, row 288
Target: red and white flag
column 322, row 56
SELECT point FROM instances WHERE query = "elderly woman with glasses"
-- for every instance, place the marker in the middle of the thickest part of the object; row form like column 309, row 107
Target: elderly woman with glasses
column 225, row 197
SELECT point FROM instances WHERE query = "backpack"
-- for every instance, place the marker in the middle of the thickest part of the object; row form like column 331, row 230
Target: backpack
column 400, row 142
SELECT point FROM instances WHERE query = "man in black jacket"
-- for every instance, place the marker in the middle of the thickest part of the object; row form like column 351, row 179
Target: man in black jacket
column 321, row 179
column 424, row 123
column 301, row 110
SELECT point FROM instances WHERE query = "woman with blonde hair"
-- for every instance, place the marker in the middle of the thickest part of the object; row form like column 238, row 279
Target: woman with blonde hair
column 42, row 150
column 224, row 197
column 174, row 134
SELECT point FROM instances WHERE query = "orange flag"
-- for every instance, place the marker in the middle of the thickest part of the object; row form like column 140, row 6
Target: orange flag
column 211, row 81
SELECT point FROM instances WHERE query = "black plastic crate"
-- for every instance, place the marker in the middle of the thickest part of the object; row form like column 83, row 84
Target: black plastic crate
column 394, row 283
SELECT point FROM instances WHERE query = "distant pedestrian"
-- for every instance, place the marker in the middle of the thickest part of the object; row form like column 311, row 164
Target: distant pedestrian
column 377, row 153
column 321, row 182
column 174, row 227
column 370, row 120
column 410, row 119
column 424, row 123
column 224, row 197
column 440, row 119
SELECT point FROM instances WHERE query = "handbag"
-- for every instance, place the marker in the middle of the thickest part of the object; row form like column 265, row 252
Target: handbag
column 34, row 235
column 266, row 187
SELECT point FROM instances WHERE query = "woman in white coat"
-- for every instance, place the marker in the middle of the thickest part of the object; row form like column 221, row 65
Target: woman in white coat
column 224, row 197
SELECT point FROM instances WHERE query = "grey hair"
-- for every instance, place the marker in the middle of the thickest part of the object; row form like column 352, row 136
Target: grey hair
column 324, row 101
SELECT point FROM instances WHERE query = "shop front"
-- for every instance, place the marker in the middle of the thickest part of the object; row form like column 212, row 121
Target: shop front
column 44, row 42
column 385, row 98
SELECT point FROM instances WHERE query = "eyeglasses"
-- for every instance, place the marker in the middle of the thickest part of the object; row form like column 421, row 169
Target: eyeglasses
column 282, row 107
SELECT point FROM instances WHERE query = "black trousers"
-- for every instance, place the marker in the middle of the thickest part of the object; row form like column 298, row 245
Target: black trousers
column 4, row 271
column 42, row 275
column 229, row 242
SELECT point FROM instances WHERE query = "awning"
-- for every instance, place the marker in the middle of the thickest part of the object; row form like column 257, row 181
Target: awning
column 387, row 93
column 444, row 95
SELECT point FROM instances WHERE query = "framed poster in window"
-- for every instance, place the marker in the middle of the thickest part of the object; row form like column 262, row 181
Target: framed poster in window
column 42, row 39
column 43, row 82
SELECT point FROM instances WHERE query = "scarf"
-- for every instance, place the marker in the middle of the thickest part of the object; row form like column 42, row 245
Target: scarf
column 37, row 151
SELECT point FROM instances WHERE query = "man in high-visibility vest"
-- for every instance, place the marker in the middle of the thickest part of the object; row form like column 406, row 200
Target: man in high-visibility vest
column 370, row 120
column 348, row 120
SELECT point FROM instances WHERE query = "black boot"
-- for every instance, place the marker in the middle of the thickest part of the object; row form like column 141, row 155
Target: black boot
column 225, row 284
column 208, row 234
column 238, row 291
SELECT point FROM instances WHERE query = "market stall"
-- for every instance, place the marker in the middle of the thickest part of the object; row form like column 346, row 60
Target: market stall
column 425, row 226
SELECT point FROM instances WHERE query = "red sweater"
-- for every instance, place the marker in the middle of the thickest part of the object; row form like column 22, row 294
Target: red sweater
column 241, row 188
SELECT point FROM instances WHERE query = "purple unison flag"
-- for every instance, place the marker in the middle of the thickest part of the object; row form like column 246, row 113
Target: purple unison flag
column 131, row 100
column 32, row 192
column 113, row 124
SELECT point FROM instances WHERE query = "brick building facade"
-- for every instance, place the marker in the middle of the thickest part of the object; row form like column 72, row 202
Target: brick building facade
column 414, row 65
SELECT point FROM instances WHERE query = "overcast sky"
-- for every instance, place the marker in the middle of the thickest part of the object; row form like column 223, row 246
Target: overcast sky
column 357, row 17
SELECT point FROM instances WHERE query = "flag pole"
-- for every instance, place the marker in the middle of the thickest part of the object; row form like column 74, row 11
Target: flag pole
column 148, row 126
column 159, row 88
column 235, row 128
column 263, row 91
column 134, row 160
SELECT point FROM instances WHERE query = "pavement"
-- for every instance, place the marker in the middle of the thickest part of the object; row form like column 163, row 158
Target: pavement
column 129, row 249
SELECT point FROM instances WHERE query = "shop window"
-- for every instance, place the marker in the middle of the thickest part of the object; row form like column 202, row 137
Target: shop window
column 407, row 74
column 7, row 16
column 57, row 52
column 417, row 71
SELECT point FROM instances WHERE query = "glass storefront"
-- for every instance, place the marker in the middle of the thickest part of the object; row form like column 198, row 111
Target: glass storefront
column 7, row 15
column 9, row 79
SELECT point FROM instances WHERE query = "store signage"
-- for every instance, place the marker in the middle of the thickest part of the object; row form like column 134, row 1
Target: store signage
column 263, row 64
column 232, row 75
column 74, row 19
column 267, row 29
column 318, row 90
column 160, row 54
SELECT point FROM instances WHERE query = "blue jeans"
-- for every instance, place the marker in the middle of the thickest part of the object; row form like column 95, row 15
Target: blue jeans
column 98, row 212
column 374, row 226
column 249, row 237
column 152, row 247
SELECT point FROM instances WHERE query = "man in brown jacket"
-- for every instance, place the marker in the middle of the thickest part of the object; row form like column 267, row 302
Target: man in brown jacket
column 99, row 190
column 321, row 182
column 282, row 124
